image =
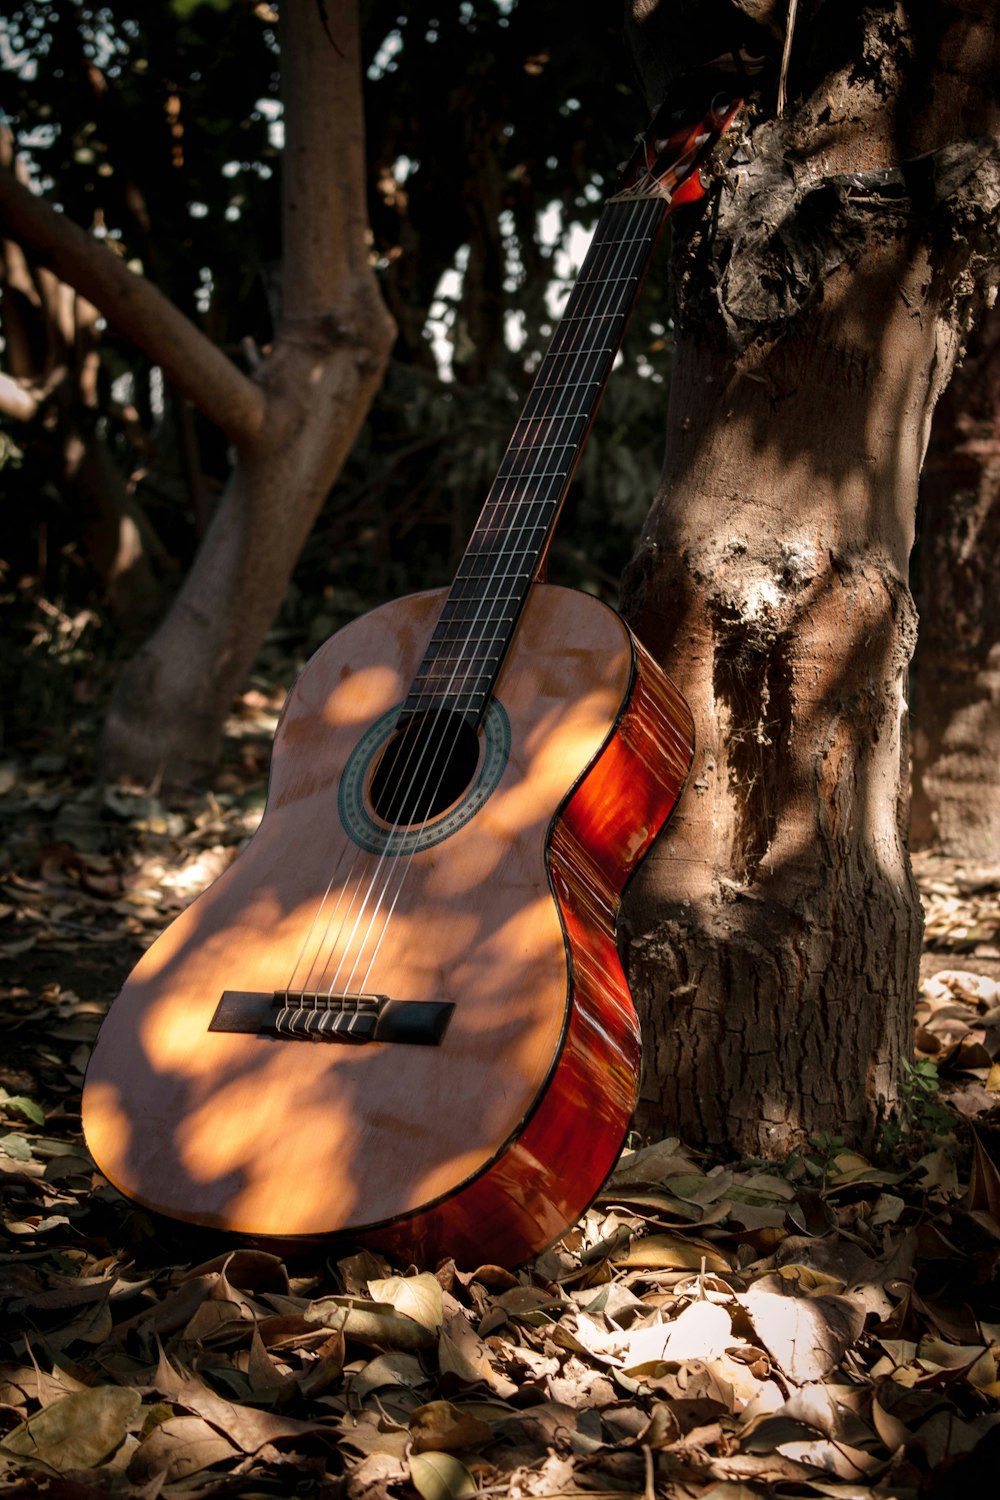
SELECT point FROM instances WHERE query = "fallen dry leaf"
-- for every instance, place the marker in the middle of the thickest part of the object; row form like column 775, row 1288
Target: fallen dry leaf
column 440, row 1476
column 443, row 1427
column 823, row 1325
column 806, row 1336
column 78, row 1431
column 178, row 1447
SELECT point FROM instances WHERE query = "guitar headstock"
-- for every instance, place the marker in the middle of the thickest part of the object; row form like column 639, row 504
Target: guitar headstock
column 668, row 159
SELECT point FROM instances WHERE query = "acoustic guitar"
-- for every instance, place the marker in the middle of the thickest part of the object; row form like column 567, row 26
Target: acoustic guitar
column 400, row 1015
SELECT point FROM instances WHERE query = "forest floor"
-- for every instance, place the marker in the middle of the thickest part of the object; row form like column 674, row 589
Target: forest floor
column 824, row 1326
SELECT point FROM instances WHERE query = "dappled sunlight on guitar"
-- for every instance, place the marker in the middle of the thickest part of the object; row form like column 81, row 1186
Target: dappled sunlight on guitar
column 401, row 1014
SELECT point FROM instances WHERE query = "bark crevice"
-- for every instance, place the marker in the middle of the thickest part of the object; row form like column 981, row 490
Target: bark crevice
column 752, row 682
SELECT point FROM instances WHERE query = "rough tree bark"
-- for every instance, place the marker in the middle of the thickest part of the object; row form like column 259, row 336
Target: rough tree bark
column 291, row 425
column 956, row 739
column 775, row 930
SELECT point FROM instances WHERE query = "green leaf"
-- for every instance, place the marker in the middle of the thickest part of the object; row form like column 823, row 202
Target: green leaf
column 25, row 1106
column 16, row 1147
column 440, row 1476
column 182, row 9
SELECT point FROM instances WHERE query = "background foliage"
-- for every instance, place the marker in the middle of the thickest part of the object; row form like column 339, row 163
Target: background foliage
column 492, row 130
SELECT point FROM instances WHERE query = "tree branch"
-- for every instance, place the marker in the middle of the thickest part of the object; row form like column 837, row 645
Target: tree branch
column 324, row 206
column 17, row 400
column 188, row 359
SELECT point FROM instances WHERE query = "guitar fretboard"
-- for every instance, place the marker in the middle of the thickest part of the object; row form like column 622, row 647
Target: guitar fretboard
column 512, row 534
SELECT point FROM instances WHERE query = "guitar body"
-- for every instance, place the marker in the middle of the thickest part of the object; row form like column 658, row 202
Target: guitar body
column 497, row 913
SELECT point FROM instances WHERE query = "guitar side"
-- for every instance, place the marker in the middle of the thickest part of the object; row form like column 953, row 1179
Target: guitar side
column 550, row 1173
column 488, row 1144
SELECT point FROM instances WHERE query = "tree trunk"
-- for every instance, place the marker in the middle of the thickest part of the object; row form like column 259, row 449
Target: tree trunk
column 332, row 346
column 291, row 427
column 956, row 741
column 775, row 929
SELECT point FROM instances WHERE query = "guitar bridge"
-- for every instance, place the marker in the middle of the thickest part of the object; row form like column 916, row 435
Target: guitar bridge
column 314, row 1016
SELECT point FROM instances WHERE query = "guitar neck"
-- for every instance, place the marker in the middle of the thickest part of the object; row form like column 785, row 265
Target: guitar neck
column 508, row 546
column 515, row 527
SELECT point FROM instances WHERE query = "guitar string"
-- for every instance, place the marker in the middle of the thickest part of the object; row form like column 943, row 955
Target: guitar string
column 667, row 182
column 403, row 770
column 505, row 568
column 509, row 564
column 497, row 501
column 547, row 416
column 661, row 203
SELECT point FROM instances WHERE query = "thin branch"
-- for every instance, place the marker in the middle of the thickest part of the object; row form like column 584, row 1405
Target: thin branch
column 786, row 54
column 16, row 400
column 191, row 361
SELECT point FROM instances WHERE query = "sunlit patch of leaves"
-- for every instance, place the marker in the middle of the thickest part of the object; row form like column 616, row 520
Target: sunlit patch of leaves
column 825, row 1325
column 961, row 906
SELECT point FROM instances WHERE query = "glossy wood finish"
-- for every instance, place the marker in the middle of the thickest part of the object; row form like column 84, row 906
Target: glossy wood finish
column 547, row 1176
column 490, row 1144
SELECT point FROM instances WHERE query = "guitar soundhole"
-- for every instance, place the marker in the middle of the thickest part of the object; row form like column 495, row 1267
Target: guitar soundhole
column 424, row 768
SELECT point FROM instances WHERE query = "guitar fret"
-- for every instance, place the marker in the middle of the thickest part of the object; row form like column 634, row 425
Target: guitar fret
column 459, row 604
column 459, row 673
column 501, row 508
column 451, row 684
column 491, row 536
column 535, row 426
column 591, row 365
column 512, row 583
column 463, row 643
column 484, row 612
column 529, row 475
column 465, row 669
column 566, row 385
column 495, row 543
column 514, row 492
column 577, row 351
column 467, row 644
column 449, row 691
column 534, row 423
column 590, row 317
column 489, row 559
column 482, row 568
column 482, row 640
column 543, row 391
column 611, row 281
column 538, row 448
column 423, row 702
column 536, row 474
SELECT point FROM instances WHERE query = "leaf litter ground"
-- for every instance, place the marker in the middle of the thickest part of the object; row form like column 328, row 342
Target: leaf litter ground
column 826, row 1326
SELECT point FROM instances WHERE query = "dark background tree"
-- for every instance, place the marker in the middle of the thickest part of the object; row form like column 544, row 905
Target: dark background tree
column 956, row 744
column 291, row 422
column 147, row 130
